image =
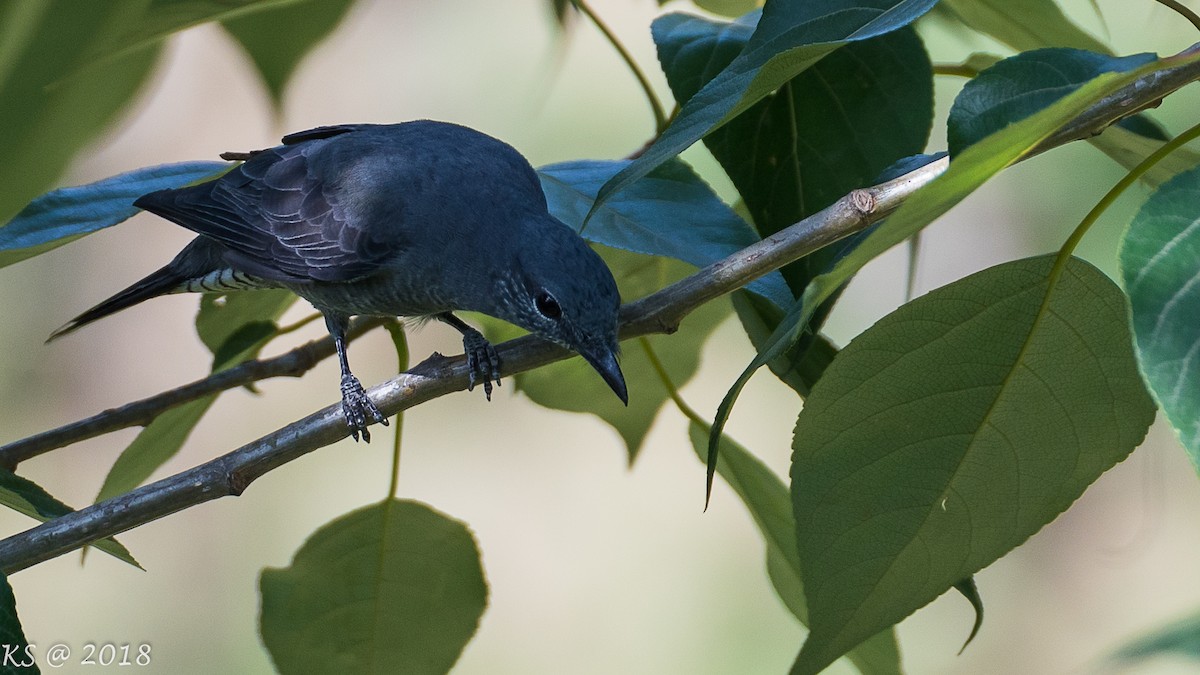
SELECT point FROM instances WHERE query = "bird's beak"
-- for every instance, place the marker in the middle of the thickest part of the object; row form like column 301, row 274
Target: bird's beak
column 604, row 360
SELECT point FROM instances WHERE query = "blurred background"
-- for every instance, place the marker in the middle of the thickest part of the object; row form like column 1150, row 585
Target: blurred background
column 594, row 566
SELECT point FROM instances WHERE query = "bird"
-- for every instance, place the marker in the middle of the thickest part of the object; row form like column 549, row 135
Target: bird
column 418, row 219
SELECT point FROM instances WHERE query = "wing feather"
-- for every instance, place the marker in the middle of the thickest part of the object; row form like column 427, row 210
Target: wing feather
column 279, row 215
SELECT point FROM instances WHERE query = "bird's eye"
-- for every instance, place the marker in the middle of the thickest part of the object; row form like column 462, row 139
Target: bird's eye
column 547, row 305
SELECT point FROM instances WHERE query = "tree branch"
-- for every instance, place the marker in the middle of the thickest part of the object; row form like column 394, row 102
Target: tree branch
column 659, row 312
column 293, row 363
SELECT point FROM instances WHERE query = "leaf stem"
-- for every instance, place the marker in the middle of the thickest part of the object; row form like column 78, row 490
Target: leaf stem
column 672, row 390
column 293, row 327
column 955, row 69
column 1107, row 200
column 660, row 117
column 400, row 340
column 1182, row 10
column 688, row 412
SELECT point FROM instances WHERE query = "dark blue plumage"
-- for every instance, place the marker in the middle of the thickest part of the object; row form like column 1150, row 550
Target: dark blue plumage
column 414, row 219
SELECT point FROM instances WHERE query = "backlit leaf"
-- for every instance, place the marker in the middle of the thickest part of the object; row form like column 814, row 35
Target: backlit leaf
column 392, row 588
column 951, row 431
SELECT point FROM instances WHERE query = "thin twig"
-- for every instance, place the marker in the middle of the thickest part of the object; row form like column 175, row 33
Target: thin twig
column 955, row 70
column 660, row 312
column 1184, row 11
column 660, row 117
column 293, row 363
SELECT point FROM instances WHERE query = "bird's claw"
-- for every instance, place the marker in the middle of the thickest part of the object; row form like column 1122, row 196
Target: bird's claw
column 357, row 407
column 483, row 363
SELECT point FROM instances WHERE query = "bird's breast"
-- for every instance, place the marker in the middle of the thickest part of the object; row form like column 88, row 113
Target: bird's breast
column 388, row 294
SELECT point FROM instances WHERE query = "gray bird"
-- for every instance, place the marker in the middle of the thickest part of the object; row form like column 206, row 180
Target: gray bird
column 416, row 219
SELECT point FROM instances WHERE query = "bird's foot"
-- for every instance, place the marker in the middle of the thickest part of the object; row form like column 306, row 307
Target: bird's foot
column 483, row 363
column 357, row 407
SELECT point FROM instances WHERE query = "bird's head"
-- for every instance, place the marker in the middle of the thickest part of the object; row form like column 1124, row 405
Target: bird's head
column 563, row 292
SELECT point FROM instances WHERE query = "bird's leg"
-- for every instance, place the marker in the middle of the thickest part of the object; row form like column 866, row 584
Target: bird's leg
column 482, row 360
column 356, row 405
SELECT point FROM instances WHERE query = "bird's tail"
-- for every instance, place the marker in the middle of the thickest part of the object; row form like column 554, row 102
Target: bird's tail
column 164, row 281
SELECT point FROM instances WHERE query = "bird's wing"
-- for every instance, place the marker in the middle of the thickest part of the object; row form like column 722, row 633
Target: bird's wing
column 278, row 217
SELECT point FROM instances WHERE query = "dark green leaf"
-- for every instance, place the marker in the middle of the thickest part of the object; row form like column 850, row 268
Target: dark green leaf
column 969, row 171
column 150, row 22
column 790, row 37
column 19, row 657
column 235, row 326
column 725, row 7
column 46, row 116
column 1024, row 24
column 391, row 588
column 1181, row 638
column 971, row 592
column 951, row 431
column 1143, row 125
column 1159, row 257
column 1129, row 148
column 66, row 214
column 799, row 367
column 278, row 39
column 1019, row 86
column 158, row 442
column 561, row 9
column 573, row 385
column 766, row 499
column 693, row 50
column 670, row 212
column 789, row 157
column 25, row 496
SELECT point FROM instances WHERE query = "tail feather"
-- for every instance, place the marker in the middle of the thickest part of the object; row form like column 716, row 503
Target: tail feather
column 162, row 282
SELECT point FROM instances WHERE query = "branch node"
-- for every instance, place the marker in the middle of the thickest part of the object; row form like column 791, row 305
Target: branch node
column 237, row 483
column 862, row 201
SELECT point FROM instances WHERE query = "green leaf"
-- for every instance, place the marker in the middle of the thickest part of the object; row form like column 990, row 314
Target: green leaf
column 725, row 7
column 392, row 588
column 1180, row 638
column 971, row 169
column 279, row 38
column 789, row 157
column 1158, row 270
column 156, row 443
column 19, row 656
column 1018, row 87
column 1024, row 24
column 24, row 496
column 766, row 499
column 790, row 37
column 670, row 212
column 46, row 116
column 1129, row 148
column 799, row 367
column 949, row 433
column 562, row 11
column 237, row 325
column 970, row 591
column 235, row 328
column 152, row 21
column 574, row 386
column 63, row 215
